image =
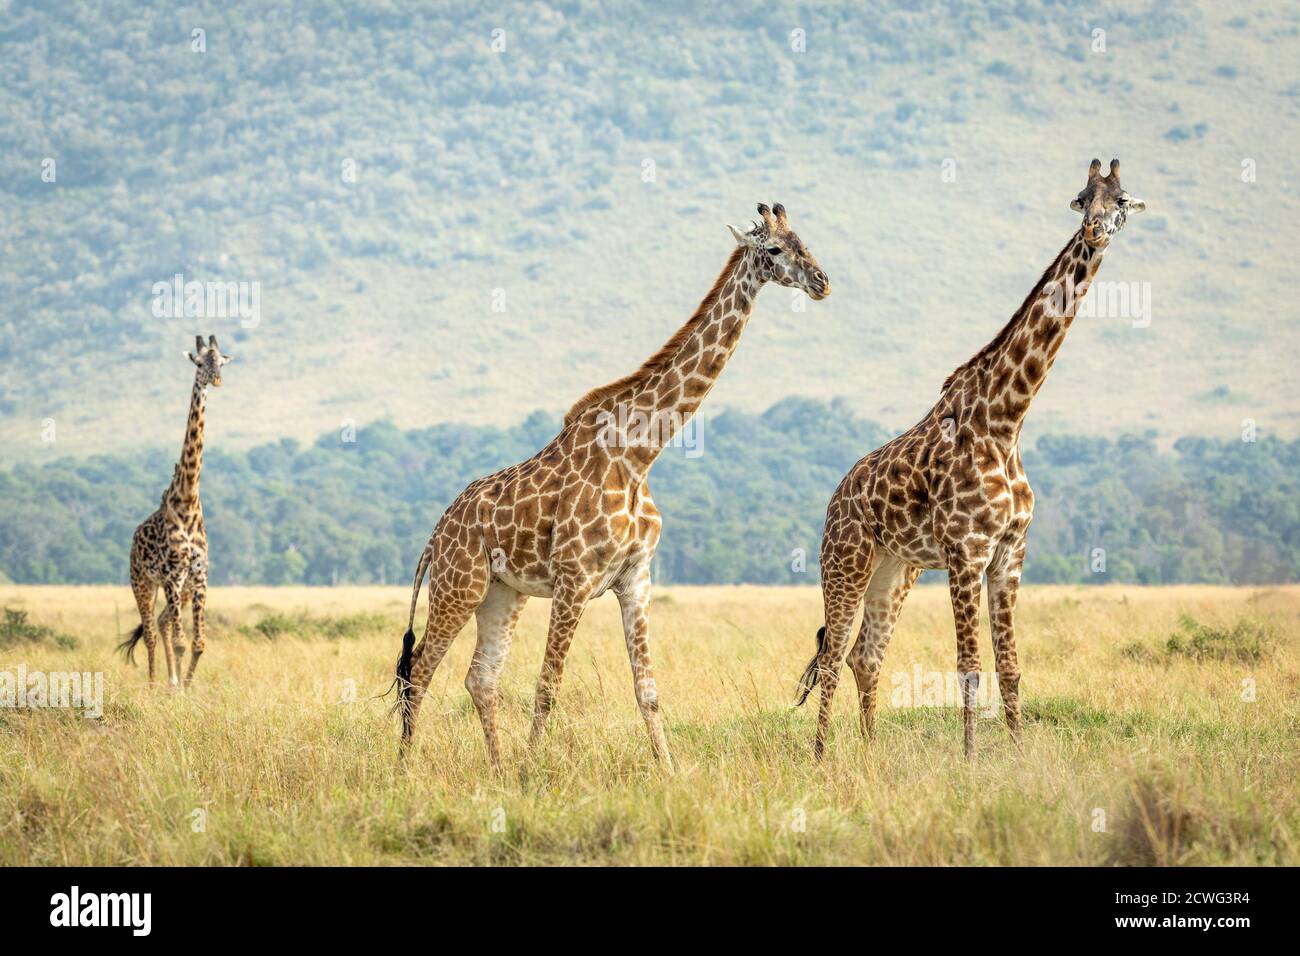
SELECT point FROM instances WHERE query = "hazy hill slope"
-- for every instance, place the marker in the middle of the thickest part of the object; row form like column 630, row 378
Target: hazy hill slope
column 519, row 177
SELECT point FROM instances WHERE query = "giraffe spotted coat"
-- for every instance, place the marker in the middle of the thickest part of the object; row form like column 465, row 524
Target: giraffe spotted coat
column 577, row 519
column 951, row 493
column 170, row 547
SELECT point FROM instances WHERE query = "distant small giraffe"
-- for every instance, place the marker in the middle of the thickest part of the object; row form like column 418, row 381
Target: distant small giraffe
column 576, row 519
column 170, row 548
column 950, row 494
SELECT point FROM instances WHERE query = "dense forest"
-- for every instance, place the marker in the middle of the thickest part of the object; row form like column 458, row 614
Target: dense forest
column 744, row 504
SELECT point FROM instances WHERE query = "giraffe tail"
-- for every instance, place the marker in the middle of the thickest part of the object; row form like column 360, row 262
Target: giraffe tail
column 402, row 680
column 809, row 679
column 420, row 568
column 127, row 647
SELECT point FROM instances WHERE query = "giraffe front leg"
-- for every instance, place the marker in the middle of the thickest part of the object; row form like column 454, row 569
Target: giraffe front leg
column 567, row 605
column 200, row 642
column 634, row 602
column 964, row 589
column 172, row 632
column 1004, row 588
column 178, row 638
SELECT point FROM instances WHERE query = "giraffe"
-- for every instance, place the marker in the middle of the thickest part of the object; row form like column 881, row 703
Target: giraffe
column 950, row 494
column 170, row 547
column 576, row 519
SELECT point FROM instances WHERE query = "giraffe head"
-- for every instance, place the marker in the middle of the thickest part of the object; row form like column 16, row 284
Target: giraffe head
column 209, row 360
column 780, row 256
column 1104, row 204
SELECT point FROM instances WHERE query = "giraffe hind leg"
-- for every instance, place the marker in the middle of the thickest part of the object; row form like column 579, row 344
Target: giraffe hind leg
column 145, row 595
column 496, row 618
column 889, row 586
column 843, row 585
column 450, row 607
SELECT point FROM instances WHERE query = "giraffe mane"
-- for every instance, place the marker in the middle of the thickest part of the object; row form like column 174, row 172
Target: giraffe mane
column 1006, row 331
column 661, row 358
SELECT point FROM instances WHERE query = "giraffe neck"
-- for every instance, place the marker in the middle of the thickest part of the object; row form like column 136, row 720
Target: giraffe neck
column 1017, row 361
column 184, row 490
column 666, row 399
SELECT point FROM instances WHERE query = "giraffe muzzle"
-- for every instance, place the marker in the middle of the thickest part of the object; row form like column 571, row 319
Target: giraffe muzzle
column 1094, row 233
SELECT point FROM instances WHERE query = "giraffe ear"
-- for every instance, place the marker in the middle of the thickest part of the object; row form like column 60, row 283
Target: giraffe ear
column 1076, row 204
column 742, row 238
column 1133, row 204
column 190, row 356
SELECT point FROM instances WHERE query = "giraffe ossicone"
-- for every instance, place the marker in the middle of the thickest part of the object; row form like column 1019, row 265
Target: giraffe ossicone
column 577, row 519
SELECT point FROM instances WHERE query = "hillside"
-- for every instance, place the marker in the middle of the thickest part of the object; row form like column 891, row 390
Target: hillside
column 387, row 179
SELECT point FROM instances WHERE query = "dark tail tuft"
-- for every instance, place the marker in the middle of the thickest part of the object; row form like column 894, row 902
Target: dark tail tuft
column 809, row 679
column 403, row 679
column 127, row 647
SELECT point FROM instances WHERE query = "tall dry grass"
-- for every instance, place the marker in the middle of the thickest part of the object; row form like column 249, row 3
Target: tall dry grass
column 1139, row 747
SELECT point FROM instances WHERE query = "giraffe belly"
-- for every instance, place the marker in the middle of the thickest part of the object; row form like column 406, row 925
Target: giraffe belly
column 920, row 553
column 532, row 585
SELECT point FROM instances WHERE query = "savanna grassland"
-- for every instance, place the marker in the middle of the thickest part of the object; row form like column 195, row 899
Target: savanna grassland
column 1140, row 717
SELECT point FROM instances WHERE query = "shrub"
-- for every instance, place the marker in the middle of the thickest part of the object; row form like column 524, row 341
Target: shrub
column 15, row 629
column 1246, row 640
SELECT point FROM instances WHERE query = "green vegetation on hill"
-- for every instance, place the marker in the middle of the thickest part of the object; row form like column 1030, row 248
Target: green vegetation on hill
column 382, row 174
column 357, row 512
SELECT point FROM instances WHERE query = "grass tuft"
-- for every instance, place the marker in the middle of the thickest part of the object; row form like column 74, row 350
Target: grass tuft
column 300, row 624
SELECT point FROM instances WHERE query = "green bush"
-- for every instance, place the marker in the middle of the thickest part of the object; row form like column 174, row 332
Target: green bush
column 16, row 629
column 1244, row 641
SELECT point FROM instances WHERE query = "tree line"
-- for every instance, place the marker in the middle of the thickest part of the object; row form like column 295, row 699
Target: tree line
column 745, row 504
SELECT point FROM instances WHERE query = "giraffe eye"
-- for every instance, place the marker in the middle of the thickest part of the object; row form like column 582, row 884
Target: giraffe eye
column 773, row 250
